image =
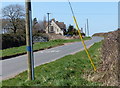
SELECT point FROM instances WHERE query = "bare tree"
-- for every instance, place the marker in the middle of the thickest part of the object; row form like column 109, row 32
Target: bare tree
column 15, row 13
column 39, row 26
column 43, row 24
column 5, row 25
column 35, row 23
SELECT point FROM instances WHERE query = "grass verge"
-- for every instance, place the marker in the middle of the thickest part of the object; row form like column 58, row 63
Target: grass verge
column 15, row 51
column 67, row 71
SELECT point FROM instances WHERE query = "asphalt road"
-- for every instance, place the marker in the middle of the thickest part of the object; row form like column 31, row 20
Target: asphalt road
column 16, row 65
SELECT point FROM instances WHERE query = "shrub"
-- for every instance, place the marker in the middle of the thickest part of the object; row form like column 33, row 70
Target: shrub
column 19, row 39
column 13, row 40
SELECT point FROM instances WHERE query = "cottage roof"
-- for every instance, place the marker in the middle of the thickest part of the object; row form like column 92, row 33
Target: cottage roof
column 60, row 24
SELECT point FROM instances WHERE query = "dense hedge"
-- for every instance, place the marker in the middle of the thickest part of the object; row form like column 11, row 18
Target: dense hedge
column 18, row 39
column 13, row 40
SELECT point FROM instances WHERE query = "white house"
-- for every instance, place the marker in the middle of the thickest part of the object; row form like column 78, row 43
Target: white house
column 56, row 27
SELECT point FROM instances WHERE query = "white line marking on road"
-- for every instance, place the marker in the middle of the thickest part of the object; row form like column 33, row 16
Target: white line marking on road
column 50, row 51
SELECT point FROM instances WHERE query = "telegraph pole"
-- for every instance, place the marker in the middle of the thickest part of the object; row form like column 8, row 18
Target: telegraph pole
column 81, row 30
column 87, row 28
column 48, row 21
column 29, row 40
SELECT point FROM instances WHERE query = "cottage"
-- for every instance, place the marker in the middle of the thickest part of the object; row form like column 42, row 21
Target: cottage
column 56, row 27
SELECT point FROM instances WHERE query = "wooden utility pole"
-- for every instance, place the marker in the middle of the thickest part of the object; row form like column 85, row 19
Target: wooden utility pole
column 81, row 30
column 48, row 21
column 87, row 28
column 29, row 40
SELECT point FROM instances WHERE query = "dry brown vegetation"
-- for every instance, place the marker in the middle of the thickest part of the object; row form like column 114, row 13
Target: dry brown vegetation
column 108, row 72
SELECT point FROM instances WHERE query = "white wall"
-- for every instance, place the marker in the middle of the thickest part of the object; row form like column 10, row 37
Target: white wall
column 56, row 28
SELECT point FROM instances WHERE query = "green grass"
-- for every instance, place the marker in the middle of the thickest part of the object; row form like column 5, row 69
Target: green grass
column 67, row 71
column 37, row 46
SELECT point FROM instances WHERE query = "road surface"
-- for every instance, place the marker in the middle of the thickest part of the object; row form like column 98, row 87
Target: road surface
column 16, row 65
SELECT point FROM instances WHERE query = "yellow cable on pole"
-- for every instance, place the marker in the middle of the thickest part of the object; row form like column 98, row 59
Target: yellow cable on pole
column 80, row 35
column 79, row 32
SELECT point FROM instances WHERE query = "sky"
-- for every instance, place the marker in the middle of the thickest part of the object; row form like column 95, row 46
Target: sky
column 102, row 16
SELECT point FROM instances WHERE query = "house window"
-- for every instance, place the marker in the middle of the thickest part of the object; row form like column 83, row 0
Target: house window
column 51, row 29
column 57, row 30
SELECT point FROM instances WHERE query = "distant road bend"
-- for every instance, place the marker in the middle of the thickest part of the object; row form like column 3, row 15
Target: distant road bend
column 16, row 65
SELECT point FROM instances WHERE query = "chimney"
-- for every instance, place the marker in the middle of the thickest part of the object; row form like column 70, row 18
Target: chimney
column 53, row 19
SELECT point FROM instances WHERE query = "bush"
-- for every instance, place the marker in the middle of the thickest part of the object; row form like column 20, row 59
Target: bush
column 13, row 40
column 19, row 39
